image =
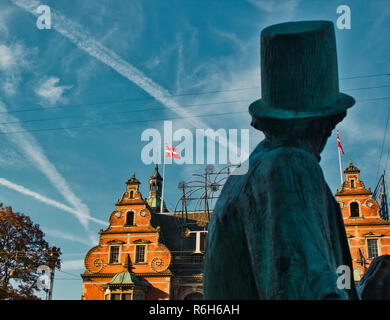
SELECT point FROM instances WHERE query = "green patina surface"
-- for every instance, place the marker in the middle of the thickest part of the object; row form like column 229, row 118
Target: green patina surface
column 125, row 278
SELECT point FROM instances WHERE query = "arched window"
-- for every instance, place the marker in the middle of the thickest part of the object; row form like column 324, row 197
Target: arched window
column 354, row 209
column 352, row 183
column 130, row 218
column 131, row 194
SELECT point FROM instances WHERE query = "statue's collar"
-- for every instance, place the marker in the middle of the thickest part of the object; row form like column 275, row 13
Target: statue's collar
column 273, row 143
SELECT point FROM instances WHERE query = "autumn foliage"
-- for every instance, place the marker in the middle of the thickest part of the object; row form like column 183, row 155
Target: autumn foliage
column 22, row 250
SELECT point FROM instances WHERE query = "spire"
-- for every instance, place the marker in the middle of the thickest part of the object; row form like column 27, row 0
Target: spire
column 127, row 265
column 351, row 168
column 155, row 188
column 156, row 174
column 133, row 180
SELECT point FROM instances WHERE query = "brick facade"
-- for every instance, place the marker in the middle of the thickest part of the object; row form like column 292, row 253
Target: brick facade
column 131, row 236
column 172, row 263
column 368, row 234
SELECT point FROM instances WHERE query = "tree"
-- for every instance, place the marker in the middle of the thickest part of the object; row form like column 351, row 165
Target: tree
column 22, row 250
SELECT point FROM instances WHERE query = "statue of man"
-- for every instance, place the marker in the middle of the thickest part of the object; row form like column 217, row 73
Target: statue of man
column 277, row 231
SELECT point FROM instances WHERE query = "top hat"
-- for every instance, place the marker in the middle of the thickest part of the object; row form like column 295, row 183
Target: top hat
column 299, row 76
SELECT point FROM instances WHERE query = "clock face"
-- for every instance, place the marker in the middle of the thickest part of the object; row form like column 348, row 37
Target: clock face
column 142, row 213
column 98, row 265
column 370, row 203
column 158, row 265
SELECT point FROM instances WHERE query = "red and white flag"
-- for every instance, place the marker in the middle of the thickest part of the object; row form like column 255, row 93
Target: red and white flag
column 171, row 153
column 338, row 142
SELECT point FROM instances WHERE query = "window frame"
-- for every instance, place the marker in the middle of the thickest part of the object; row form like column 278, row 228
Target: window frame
column 368, row 240
column 127, row 224
column 136, row 253
column 350, row 209
column 110, row 254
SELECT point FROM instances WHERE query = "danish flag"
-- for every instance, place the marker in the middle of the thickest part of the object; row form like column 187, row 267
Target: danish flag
column 171, row 153
column 338, row 142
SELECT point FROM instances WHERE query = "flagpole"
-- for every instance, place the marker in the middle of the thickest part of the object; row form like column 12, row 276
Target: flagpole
column 162, row 191
column 341, row 171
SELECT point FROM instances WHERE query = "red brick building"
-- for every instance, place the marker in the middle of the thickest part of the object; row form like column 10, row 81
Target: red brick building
column 129, row 262
column 143, row 254
column 368, row 234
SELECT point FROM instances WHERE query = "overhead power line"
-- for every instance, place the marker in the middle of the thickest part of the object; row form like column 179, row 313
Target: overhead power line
column 148, row 120
column 142, row 121
column 383, row 143
column 124, row 100
column 366, row 76
column 132, row 99
column 120, row 122
column 129, row 111
column 163, row 108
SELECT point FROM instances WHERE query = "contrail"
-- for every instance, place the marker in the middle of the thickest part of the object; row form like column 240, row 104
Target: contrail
column 77, row 35
column 39, row 197
column 31, row 148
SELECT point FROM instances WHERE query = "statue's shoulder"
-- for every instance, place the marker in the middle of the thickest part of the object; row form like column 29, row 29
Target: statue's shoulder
column 284, row 159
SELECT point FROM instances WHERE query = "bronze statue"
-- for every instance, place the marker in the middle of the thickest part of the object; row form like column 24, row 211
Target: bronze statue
column 375, row 283
column 277, row 232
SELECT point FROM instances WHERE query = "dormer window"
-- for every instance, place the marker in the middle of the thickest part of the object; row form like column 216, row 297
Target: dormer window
column 354, row 209
column 352, row 183
column 129, row 218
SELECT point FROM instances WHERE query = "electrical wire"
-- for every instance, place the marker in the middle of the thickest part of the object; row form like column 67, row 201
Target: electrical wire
column 120, row 122
column 129, row 111
column 383, row 143
column 149, row 120
column 43, row 108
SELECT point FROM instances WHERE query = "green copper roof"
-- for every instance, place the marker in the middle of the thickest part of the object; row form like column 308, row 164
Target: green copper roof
column 125, row 278
column 155, row 203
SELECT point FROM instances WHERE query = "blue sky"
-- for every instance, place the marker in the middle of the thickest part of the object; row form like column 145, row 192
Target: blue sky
column 101, row 54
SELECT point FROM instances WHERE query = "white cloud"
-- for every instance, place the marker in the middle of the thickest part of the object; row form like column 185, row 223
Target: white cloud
column 152, row 63
column 230, row 36
column 7, row 59
column 50, row 90
column 6, row 12
column 13, row 57
column 10, row 158
column 13, row 60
